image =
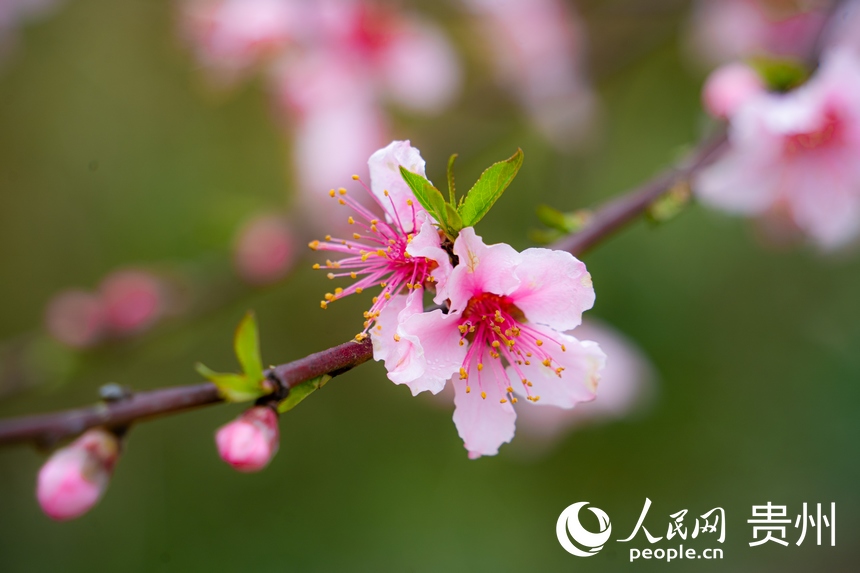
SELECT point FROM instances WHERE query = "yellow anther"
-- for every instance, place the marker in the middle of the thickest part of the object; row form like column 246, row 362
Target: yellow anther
column 539, row 342
column 496, row 344
column 360, row 336
column 513, row 400
column 378, row 327
column 527, row 363
column 342, row 191
column 359, row 290
column 529, row 354
column 337, row 291
column 383, row 284
column 472, row 328
column 503, row 401
column 351, row 221
column 463, row 328
column 375, row 299
column 509, row 390
column 331, row 193
column 563, row 349
column 352, row 275
column 536, row 398
column 463, row 373
column 558, row 371
column 328, row 237
column 314, row 245
column 355, row 177
column 529, row 383
column 380, row 252
column 409, row 202
column 516, row 331
column 468, row 389
column 364, row 257
column 396, row 337
column 323, row 304
column 373, row 228
column 374, row 221
column 385, row 192
column 484, row 395
column 387, row 296
column 341, row 201
column 316, row 266
column 546, row 362
column 330, row 275
column 499, row 316
column 329, row 297
column 461, row 343
column 356, row 236
column 480, row 366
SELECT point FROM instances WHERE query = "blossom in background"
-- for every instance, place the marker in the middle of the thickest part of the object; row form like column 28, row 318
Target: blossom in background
column 330, row 66
column 536, row 48
column 729, row 87
column 505, row 307
column 76, row 318
column 264, row 249
column 399, row 251
column 75, row 477
column 797, row 153
column 726, row 30
column 249, row 442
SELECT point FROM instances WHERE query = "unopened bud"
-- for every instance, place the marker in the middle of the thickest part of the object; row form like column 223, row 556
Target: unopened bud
column 249, row 442
column 264, row 250
column 729, row 87
column 74, row 478
column 133, row 299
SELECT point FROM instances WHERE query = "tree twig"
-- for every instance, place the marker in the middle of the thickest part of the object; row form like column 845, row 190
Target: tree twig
column 48, row 429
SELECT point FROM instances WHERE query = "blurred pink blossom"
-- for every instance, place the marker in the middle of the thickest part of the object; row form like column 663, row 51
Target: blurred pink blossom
column 249, row 442
column 76, row 318
column 726, row 30
column 798, row 152
column 133, row 300
column 330, row 66
column 537, row 50
column 16, row 13
column 264, row 249
column 75, row 477
column 730, row 86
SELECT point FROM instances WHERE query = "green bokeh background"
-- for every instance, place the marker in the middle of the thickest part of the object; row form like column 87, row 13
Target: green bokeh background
column 112, row 153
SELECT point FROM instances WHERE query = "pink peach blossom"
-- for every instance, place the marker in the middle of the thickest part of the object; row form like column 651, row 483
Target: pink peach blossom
column 249, row 442
column 503, row 305
column 726, row 30
column 264, row 249
column 399, row 251
column 75, row 477
column 797, row 151
column 730, row 86
column 133, row 300
column 537, row 49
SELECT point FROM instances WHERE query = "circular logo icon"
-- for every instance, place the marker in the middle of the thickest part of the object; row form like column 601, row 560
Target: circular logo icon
column 568, row 522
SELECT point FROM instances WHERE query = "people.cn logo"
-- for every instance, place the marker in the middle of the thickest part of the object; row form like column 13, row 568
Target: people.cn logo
column 568, row 522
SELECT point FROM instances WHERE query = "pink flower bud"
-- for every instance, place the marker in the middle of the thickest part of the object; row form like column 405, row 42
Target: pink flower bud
column 264, row 250
column 75, row 318
column 729, row 87
column 249, row 442
column 75, row 477
column 133, row 300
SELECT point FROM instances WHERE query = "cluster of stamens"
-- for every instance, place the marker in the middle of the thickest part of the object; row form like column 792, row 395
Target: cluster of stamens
column 495, row 327
column 376, row 254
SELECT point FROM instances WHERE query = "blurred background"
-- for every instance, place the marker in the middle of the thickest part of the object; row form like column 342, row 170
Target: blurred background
column 161, row 169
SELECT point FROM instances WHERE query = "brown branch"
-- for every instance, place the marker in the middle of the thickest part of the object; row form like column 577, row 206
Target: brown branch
column 48, row 429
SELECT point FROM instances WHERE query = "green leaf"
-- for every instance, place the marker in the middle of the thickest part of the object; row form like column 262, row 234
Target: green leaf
column 565, row 222
column 246, row 343
column 670, row 204
column 433, row 201
column 452, row 190
column 455, row 223
column 429, row 197
column 232, row 387
column 302, row 391
column 780, row 74
column 489, row 187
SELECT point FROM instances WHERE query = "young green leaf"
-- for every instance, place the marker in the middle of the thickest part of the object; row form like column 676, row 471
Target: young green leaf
column 429, row 197
column 453, row 220
column 246, row 343
column 302, row 391
column 452, row 190
column 232, row 387
column 489, row 187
